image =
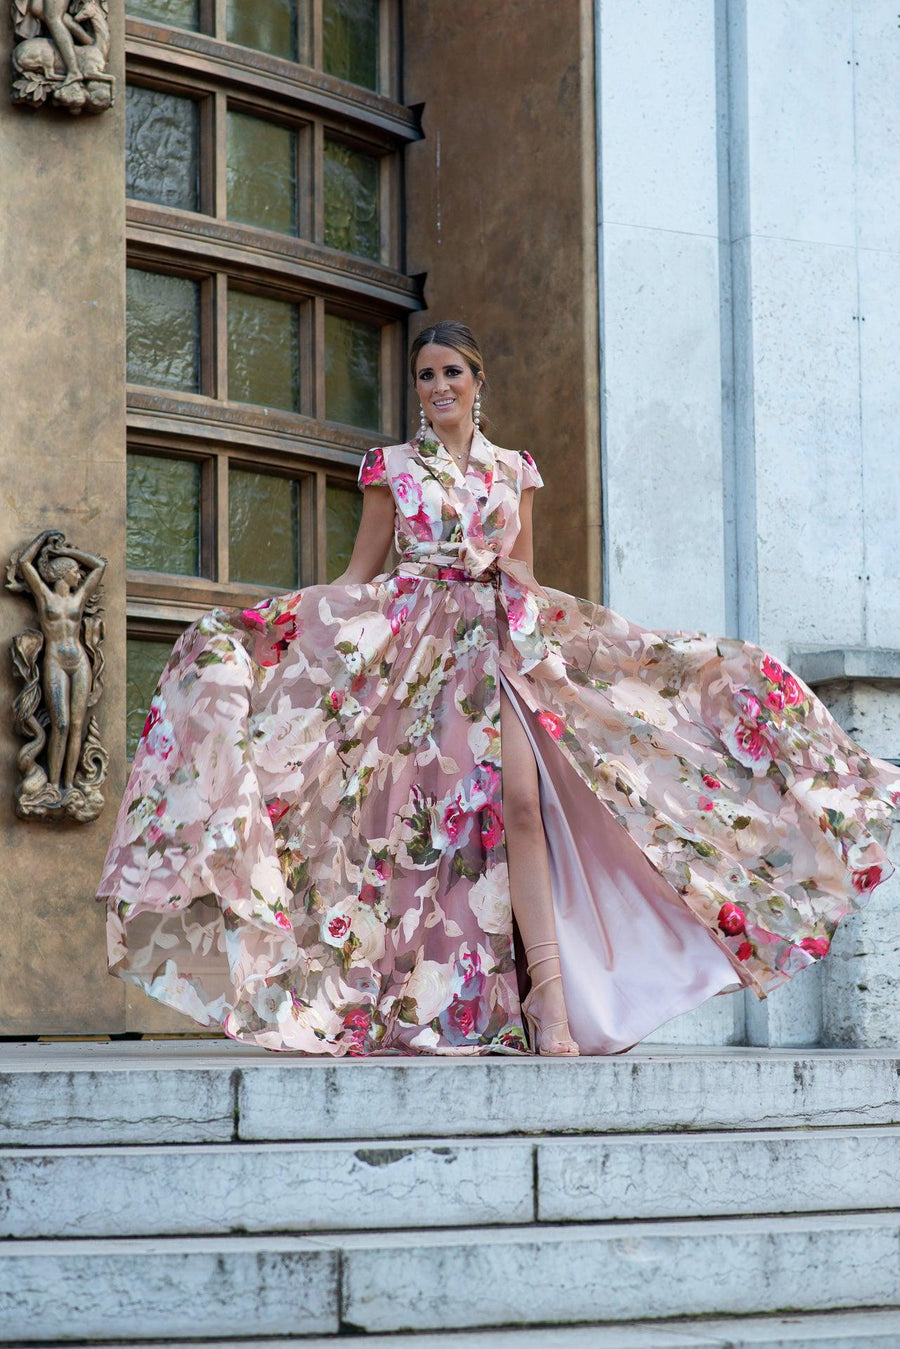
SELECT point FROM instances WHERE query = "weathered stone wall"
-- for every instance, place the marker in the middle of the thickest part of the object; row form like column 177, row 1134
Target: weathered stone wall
column 62, row 465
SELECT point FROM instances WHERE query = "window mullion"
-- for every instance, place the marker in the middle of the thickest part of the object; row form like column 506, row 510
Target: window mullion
column 220, row 155
column 220, row 390
column 221, row 513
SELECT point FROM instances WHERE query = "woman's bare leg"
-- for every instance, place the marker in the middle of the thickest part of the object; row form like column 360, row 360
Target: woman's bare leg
column 529, row 871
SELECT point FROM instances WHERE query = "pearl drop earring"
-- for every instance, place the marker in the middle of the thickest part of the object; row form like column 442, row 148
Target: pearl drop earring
column 476, row 411
column 423, row 425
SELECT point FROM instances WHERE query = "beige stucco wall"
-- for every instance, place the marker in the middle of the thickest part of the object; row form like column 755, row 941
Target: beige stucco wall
column 62, row 465
column 501, row 216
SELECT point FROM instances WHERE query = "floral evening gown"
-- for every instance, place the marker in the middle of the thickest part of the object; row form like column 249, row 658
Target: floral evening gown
column 310, row 852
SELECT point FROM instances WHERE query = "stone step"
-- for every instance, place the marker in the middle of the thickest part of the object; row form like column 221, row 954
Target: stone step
column 427, row 1280
column 125, row 1092
column 833, row 1330
column 318, row 1187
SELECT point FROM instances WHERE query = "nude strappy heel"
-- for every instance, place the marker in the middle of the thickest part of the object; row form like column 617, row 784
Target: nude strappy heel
column 536, row 1030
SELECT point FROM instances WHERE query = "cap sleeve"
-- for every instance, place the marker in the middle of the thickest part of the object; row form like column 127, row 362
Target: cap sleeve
column 530, row 475
column 372, row 470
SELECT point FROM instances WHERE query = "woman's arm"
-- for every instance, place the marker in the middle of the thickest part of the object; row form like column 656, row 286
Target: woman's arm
column 373, row 538
column 523, row 547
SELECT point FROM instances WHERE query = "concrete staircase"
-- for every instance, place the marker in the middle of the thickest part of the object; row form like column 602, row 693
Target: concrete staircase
column 199, row 1192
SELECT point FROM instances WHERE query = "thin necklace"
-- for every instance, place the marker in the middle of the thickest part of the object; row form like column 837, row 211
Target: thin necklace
column 468, row 456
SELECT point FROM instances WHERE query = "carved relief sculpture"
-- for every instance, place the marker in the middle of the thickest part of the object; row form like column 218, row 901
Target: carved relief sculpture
column 62, row 763
column 63, row 54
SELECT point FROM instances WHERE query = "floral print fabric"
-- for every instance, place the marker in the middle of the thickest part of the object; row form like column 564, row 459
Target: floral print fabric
column 310, row 851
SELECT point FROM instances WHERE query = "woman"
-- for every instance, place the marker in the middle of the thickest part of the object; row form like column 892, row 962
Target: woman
column 344, row 797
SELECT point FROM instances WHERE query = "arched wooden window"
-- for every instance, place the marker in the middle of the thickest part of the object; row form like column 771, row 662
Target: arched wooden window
column 267, row 298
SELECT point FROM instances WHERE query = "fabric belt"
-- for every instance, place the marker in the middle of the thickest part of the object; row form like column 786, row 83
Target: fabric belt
column 518, row 592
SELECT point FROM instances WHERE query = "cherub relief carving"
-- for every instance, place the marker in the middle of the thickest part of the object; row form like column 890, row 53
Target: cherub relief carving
column 63, row 54
column 61, row 667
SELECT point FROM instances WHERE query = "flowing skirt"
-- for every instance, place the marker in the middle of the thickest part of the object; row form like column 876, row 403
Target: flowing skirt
column 310, row 852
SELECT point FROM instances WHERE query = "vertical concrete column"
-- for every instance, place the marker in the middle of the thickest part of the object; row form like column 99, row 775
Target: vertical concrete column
column 663, row 265
column 660, row 304
column 62, row 465
column 814, row 300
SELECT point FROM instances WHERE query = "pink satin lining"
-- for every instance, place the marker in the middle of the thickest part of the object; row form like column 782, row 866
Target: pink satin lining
column 632, row 955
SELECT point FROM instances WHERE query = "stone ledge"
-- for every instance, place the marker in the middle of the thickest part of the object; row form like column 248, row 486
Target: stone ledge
column 830, row 1330
column 822, row 665
column 421, row 1280
column 104, row 1096
column 260, row 1188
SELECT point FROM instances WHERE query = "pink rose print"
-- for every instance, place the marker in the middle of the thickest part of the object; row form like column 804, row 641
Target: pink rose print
column 462, row 1015
column 748, row 700
column 867, row 878
column 357, row 1020
column 408, row 491
column 368, row 894
column 816, row 946
column 772, row 670
column 704, row 803
column 160, row 808
column 744, row 951
column 276, row 810
column 552, row 723
column 750, row 742
column 398, row 619
column 453, row 818
column 420, row 524
column 283, row 919
column 731, row 919
column 154, row 833
column 153, row 716
column 253, row 618
column 793, row 694
column 339, row 925
column 373, row 469
column 403, row 585
column 158, row 735
column 491, row 826
column 711, row 782
column 775, row 698
column 336, row 699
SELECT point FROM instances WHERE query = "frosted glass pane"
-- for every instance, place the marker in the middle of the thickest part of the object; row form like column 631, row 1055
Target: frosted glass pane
column 163, row 514
column 262, row 173
column 264, row 529
column 175, row 13
column 268, row 25
column 144, row 662
column 352, row 363
column 351, row 200
column 162, row 148
column 163, row 330
column 350, row 40
column 263, row 351
column 343, row 510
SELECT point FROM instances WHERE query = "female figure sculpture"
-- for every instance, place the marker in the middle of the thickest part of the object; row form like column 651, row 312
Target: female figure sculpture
column 69, row 678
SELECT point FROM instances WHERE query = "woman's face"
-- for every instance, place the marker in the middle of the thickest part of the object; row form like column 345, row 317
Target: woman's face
column 446, row 387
